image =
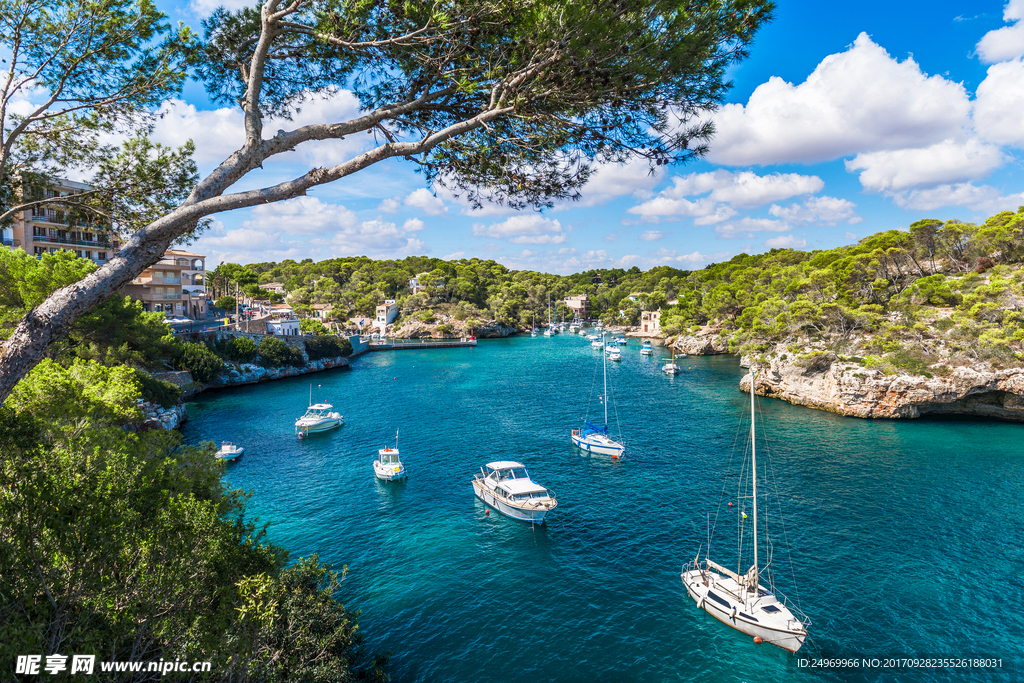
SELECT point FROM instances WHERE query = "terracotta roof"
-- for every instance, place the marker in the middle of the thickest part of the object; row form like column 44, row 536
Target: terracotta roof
column 183, row 253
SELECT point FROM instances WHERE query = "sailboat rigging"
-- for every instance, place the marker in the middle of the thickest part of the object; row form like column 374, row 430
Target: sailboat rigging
column 740, row 600
column 595, row 439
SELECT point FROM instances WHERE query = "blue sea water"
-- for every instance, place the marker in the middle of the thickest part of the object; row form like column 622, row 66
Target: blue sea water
column 907, row 538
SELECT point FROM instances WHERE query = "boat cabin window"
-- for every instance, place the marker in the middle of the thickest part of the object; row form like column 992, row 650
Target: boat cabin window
column 770, row 609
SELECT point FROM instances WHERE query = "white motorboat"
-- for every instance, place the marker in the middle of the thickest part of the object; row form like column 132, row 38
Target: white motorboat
column 229, row 452
column 548, row 332
column 507, row 487
column 597, row 344
column 741, row 600
column 388, row 466
column 614, row 354
column 671, row 367
column 592, row 438
column 582, row 332
column 621, row 341
column 318, row 418
column 646, row 349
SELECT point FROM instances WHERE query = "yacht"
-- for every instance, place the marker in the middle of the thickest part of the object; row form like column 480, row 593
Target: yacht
column 741, row 600
column 507, row 487
column 229, row 452
column 594, row 439
column 646, row 349
column 318, row 418
column 388, row 466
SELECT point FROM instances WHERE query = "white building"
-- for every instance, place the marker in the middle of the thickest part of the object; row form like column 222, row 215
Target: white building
column 286, row 327
column 386, row 314
column 650, row 322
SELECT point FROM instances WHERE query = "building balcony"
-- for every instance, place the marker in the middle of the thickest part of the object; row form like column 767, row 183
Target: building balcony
column 10, row 242
column 95, row 244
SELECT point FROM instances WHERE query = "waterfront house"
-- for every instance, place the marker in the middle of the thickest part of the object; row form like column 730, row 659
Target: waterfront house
column 283, row 326
column 386, row 314
column 650, row 322
column 579, row 305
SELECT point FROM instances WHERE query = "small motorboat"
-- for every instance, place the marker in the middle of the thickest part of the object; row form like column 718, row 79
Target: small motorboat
column 388, row 466
column 318, row 418
column 597, row 344
column 229, row 452
column 507, row 487
column 646, row 349
column 614, row 354
column 621, row 341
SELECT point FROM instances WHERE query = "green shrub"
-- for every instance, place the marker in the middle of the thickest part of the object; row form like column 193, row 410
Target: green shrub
column 425, row 316
column 275, row 353
column 158, row 391
column 911, row 360
column 327, row 347
column 241, row 349
column 227, row 303
column 312, row 326
column 445, row 328
column 203, row 363
column 943, row 324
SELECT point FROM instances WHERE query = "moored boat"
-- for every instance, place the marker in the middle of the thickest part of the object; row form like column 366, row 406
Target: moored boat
column 507, row 487
column 388, row 466
column 595, row 439
column 318, row 418
column 742, row 601
column 646, row 349
column 229, row 452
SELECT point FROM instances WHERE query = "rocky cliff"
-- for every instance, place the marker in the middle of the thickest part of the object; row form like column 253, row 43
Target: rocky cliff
column 845, row 387
column 447, row 327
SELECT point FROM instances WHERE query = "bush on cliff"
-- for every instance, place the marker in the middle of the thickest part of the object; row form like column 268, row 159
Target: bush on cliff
column 128, row 546
column 203, row 363
column 275, row 353
column 327, row 347
column 241, row 349
column 158, row 391
column 312, row 326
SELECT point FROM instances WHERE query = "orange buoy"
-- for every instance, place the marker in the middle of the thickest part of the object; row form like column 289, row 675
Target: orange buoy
column 487, row 512
column 757, row 640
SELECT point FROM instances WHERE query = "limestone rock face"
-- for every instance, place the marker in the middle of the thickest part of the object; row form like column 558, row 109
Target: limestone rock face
column 701, row 344
column 415, row 329
column 861, row 392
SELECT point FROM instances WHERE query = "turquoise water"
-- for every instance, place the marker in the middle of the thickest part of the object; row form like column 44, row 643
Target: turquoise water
column 907, row 538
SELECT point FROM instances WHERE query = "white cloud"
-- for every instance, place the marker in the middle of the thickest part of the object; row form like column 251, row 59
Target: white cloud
column 824, row 210
column 652, row 235
column 611, row 238
column 746, row 227
column 524, row 229
column 610, row 181
column 976, row 197
column 304, row 225
column 426, row 202
column 857, row 101
column 785, row 242
column 724, row 190
column 850, row 236
column 949, row 161
column 999, row 102
column 1007, row 42
column 390, row 205
column 205, row 8
column 453, row 256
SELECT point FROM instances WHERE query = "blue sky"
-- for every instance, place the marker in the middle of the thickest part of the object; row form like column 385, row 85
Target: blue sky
column 847, row 119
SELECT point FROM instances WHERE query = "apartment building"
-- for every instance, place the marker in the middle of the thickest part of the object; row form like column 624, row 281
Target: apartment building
column 51, row 228
column 579, row 305
column 175, row 285
column 386, row 314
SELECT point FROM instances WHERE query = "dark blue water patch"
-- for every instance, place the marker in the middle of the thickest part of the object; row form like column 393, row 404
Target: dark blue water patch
column 905, row 537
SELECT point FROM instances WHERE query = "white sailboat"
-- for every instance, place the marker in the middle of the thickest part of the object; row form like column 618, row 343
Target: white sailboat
column 671, row 367
column 595, row 439
column 741, row 600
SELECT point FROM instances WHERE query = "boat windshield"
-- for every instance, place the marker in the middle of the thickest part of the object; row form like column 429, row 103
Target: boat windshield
column 534, row 495
column 513, row 473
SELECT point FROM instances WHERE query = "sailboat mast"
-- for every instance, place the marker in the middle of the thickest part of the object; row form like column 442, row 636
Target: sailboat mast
column 753, row 463
column 604, row 357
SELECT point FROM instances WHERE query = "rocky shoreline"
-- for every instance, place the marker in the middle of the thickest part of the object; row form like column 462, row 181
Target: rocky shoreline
column 846, row 388
column 157, row 417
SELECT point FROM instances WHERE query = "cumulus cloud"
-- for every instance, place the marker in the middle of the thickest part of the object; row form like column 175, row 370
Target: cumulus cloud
column 652, row 235
column 967, row 195
column 999, row 102
column 524, row 229
column 724, row 190
column 857, row 101
column 948, row 161
column 610, row 181
column 453, row 256
column 824, row 210
column 205, row 8
column 611, row 238
column 426, row 202
column 299, row 227
column 1007, row 42
column 746, row 227
column 390, row 205
column 785, row 242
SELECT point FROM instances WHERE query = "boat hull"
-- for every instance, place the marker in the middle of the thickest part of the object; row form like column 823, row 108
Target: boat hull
column 534, row 516
column 388, row 473
column 319, row 426
column 229, row 457
column 778, row 635
column 590, row 447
